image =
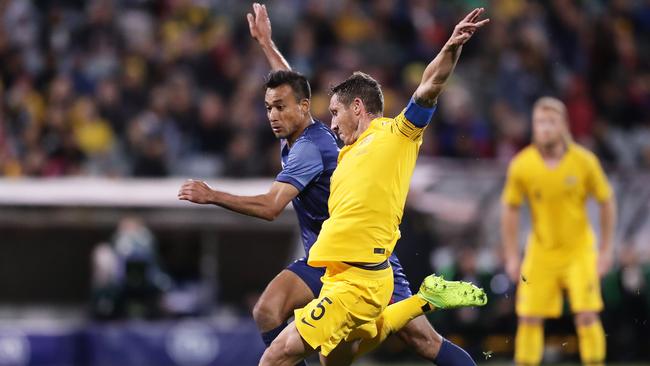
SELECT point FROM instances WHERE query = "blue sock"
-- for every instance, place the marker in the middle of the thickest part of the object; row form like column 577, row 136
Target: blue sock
column 272, row 334
column 452, row 355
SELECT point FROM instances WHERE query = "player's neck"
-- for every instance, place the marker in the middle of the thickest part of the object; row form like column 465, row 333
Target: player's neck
column 291, row 139
column 364, row 122
column 552, row 151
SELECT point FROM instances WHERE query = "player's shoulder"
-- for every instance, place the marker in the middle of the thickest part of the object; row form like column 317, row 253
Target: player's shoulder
column 319, row 134
column 582, row 154
column 523, row 157
column 399, row 126
column 386, row 121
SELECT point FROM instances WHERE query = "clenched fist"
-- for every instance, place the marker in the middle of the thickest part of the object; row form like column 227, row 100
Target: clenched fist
column 196, row 191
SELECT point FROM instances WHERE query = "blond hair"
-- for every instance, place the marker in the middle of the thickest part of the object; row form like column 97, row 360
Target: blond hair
column 554, row 104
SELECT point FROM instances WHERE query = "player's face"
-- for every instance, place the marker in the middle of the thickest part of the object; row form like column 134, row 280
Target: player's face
column 285, row 113
column 548, row 127
column 344, row 122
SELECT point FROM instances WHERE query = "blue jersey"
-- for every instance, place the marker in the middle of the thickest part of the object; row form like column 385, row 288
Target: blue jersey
column 308, row 165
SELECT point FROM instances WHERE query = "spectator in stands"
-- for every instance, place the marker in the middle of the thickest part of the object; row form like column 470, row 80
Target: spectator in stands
column 115, row 56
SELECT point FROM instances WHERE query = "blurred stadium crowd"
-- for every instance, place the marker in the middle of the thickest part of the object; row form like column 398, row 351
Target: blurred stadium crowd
column 159, row 88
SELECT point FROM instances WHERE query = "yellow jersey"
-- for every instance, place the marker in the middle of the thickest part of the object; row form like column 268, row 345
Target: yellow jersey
column 557, row 198
column 367, row 194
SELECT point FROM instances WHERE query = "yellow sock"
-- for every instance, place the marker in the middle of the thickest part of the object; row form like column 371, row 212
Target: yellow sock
column 529, row 344
column 394, row 317
column 592, row 343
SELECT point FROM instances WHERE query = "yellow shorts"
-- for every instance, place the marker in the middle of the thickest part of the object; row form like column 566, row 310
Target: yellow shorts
column 351, row 299
column 540, row 290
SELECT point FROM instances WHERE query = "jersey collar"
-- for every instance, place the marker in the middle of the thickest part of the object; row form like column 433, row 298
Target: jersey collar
column 374, row 125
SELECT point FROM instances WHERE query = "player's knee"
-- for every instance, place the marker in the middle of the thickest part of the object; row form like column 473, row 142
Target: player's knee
column 266, row 316
column 586, row 319
column 530, row 320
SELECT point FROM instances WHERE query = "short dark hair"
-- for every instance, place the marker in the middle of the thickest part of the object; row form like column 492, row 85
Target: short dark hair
column 297, row 81
column 363, row 86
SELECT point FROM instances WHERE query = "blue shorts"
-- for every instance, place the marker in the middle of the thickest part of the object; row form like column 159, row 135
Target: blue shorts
column 311, row 276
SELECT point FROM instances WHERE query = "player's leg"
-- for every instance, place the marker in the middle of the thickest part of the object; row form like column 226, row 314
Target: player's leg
column 291, row 289
column 583, row 285
column 418, row 332
column 422, row 338
column 434, row 293
column 529, row 341
column 591, row 338
column 428, row 344
column 350, row 302
column 539, row 296
column 396, row 316
column 342, row 355
column 287, row 349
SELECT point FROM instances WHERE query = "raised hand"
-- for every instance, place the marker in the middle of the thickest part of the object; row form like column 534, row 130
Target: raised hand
column 259, row 23
column 466, row 28
column 435, row 75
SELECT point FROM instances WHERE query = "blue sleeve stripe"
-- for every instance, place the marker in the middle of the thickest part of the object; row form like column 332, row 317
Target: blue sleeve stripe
column 417, row 115
column 287, row 179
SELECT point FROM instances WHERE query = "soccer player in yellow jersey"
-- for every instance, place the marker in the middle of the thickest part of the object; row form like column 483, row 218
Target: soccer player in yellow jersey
column 367, row 196
column 556, row 176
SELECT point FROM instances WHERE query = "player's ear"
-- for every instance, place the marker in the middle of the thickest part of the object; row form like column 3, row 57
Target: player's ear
column 305, row 104
column 357, row 106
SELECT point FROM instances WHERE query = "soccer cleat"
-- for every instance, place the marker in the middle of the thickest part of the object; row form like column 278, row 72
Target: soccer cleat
column 451, row 294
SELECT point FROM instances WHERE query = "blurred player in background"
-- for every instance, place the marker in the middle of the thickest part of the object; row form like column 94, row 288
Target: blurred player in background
column 366, row 203
column 556, row 176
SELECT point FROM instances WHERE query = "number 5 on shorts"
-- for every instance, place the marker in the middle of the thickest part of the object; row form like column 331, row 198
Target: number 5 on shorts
column 321, row 307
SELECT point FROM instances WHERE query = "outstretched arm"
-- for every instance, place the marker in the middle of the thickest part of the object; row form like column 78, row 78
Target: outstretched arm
column 260, row 27
column 266, row 206
column 437, row 72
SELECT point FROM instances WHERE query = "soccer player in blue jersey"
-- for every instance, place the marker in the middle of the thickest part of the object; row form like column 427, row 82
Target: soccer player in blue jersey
column 309, row 156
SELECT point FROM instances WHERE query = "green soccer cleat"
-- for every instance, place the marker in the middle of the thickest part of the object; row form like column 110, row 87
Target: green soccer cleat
column 451, row 294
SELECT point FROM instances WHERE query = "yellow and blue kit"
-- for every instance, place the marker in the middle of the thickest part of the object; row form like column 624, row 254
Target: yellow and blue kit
column 367, row 196
column 368, row 191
